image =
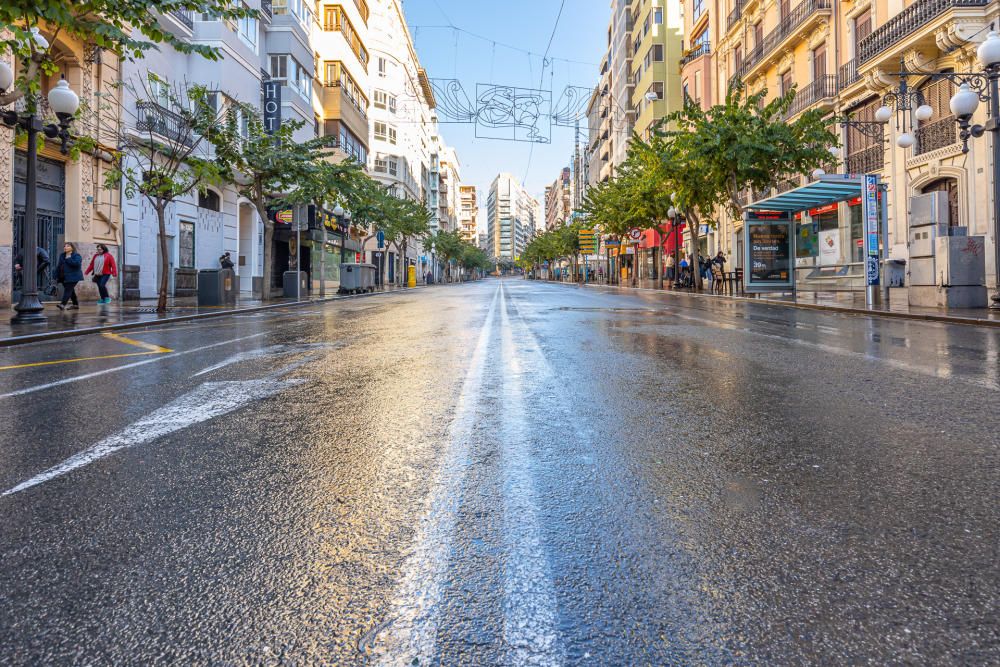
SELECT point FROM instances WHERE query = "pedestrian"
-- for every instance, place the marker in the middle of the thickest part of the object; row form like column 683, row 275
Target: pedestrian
column 720, row 260
column 42, row 265
column 226, row 261
column 102, row 265
column 671, row 267
column 69, row 273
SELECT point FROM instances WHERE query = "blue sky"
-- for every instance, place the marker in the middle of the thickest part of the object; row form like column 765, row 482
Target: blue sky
column 526, row 24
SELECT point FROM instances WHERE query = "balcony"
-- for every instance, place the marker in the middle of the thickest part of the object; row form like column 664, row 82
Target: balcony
column 849, row 73
column 184, row 17
column 905, row 23
column 937, row 134
column 701, row 50
column 340, row 104
column 265, row 8
column 796, row 20
column 153, row 118
column 734, row 16
column 866, row 161
column 823, row 88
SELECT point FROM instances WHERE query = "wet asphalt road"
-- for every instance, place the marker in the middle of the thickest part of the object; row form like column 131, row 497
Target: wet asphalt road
column 504, row 473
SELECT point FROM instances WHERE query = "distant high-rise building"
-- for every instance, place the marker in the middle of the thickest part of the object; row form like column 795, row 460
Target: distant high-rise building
column 559, row 200
column 512, row 215
column 468, row 213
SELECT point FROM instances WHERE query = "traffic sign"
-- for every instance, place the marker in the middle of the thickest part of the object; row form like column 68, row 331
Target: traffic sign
column 635, row 233
column 587, row 244
column 380, row 237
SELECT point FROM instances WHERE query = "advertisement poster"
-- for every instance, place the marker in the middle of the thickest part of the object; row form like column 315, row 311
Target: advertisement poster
column 829, row 247
column 870, row 196
column 770, row 253
column 807, row 243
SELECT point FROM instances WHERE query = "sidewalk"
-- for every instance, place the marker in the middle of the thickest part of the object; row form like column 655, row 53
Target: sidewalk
column 843, row 302
column 93, row 318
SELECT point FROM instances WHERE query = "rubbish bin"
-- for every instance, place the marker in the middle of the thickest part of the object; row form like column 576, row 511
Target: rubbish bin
column 357, row 278
column 210, row 287
column 291, row 289
column 895, row 272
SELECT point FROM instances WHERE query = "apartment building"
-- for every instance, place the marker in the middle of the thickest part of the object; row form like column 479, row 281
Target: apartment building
column 841, row 58
column 656, row 41
column 468, row 213
column 559, row 200
column 621, row 51
column 72, row 203
column 512, row 216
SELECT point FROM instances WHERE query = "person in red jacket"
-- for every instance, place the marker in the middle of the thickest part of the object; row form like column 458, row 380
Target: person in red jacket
column 102, row 265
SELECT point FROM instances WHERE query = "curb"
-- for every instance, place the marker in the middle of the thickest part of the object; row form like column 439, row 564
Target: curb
column 121, row 326
column 845, row 310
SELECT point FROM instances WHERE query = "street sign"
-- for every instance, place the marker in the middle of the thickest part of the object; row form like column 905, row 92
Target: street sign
column 380, row 237
column 635, row 233
column 587, row 243
column 612, row 243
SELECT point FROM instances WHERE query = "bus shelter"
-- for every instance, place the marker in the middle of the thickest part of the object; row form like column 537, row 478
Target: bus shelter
column 770, row 235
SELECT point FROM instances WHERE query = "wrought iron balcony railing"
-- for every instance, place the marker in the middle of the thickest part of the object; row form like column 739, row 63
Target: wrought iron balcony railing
column 825, row 87
column 788, row 26
column 735, row 15
column 184, row 17
column 849, row 73
column 702, row 49
column 151, row 117
column 936, row 134
column 905, row 23
column 867, row 161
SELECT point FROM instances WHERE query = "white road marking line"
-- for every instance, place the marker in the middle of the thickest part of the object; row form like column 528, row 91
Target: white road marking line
column 87, row 376
column 530, row 619
column 281, row 348
column 210, row 400
column 411, row 633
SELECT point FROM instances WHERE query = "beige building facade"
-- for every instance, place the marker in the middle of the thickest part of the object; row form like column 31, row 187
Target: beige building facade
column 72, row 202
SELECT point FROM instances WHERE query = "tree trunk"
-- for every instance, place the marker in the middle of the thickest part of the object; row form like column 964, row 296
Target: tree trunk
column 161, row 220
column 268, row 255
column 693, row 225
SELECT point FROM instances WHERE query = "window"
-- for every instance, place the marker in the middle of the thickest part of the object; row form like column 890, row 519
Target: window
column 334, row 19
column 819, row 62
column 209, row 199
column 758, row 35
column 645, row 25
column 392, row 135
column 337, row 75
column 658, row 15
column 700, row 40
column 279, row 68
column 698, row 8
column 247, row 29
column 383, row 67
column 378, row 99
column 350, row 144
column 862, row 27
column 381, row 165
column 159, row 89
column 393, row 167
column 785, row 82
column 186, row 242
column 737, row 57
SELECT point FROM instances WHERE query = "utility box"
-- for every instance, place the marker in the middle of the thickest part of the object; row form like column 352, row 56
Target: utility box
column 293, row 289
column 217, row 287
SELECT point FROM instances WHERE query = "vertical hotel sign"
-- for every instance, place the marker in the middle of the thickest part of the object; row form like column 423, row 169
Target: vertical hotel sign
column 871, row 229
column 272, row 106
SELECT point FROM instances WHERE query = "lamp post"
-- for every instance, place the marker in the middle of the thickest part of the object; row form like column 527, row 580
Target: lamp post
column 342, row 217
column 64, row 102
column 973, row 88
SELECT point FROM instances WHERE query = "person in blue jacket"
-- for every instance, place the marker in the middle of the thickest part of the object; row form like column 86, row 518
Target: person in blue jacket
column 69, row 272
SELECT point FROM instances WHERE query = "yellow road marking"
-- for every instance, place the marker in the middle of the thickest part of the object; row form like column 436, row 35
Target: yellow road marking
column 138, row 343
column 73, row 361
column 149, row 347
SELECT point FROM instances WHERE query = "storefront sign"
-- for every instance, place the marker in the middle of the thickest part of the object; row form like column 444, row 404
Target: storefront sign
column 870, row 195
column 284, row 217
column 769, row 250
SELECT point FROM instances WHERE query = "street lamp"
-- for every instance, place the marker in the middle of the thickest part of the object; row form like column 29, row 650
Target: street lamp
column 973, row 88
column 64, row 102
column 341, row 215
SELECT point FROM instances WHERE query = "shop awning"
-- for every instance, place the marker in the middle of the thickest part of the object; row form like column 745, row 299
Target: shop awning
column 827, row 190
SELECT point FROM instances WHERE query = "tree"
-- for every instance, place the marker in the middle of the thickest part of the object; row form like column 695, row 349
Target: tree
column 707, row 158
column 125, row 27
column 273, row 169
column 168, row 154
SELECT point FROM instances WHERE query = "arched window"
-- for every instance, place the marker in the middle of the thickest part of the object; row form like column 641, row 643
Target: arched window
column 209, row 199
column 949, row 185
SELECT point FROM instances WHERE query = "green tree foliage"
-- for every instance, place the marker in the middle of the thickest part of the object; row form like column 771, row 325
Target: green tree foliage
column 165, row 167
column 127, row 28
